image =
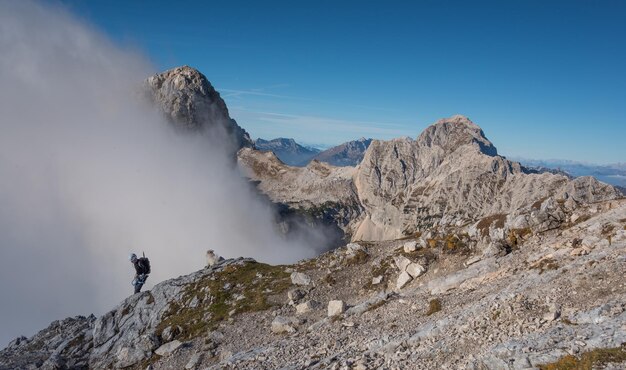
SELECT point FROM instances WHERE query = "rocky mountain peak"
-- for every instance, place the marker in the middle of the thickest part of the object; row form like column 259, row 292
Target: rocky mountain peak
column 454, row 132
column 190, row 102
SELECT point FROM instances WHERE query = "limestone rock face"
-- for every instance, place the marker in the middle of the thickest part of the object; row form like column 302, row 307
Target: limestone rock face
column 450, row 175
column 318, row 190
column 64, row 344
column 190, row 102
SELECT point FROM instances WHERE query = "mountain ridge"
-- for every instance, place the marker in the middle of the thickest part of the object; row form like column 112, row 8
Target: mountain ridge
column 450, row 173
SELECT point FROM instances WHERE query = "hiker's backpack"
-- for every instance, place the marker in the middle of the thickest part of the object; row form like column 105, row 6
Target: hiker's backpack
column 144, row 263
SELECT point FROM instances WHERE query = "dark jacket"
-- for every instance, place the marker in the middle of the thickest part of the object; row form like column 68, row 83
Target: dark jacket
column 140, row 267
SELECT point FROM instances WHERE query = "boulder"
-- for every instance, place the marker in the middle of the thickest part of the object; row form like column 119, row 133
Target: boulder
column 401, row 262
column 306, row 307
column 282, row 324
column 410, row 246
column 168, row 348
column 403, row 279
column 298, row 278
column 336, row 308
column 415, row 270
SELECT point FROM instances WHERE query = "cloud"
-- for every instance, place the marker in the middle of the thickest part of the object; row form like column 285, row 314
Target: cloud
column 320, row 129
column 261, row 92
column 91, row 172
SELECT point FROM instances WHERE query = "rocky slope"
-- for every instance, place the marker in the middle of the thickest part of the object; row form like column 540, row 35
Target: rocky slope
column 190, row 102
column 450, row 175
column 287, row 150
column 347, row 154
column 467, row 297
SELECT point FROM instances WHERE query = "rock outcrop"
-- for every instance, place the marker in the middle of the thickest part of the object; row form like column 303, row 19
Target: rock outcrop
column 189, row 101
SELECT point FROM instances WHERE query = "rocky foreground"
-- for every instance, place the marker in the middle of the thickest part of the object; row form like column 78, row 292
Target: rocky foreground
column 482, row 296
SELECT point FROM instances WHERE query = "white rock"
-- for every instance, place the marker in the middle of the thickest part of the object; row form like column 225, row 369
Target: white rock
column 377, row 280
column 283, row 324
column 336, row 308
column 402, row 262
column 306, row 307
column 403, row 279
column 298, row 278
column 415, row 270
column 168, row 348
column 410, row 246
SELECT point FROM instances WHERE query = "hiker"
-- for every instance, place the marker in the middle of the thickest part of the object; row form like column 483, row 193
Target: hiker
column 142, row 269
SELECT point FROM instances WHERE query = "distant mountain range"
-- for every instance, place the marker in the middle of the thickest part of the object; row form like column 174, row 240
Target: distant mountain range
column 614, row 174
column 288, row 151
column 294, row 154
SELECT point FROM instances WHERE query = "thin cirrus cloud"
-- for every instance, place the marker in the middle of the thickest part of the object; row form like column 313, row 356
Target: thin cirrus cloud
column 261, row 92
column 311, row 128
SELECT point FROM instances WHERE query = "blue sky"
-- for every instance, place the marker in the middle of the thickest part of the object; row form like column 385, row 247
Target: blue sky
column 544, row 79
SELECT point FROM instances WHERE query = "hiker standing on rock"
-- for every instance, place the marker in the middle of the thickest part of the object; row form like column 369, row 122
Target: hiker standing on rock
column 142, row 269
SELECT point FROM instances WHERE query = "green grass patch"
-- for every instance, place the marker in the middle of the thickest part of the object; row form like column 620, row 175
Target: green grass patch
column 215, row 302
column 596, row 358
column 434, row 306
column 359, row 258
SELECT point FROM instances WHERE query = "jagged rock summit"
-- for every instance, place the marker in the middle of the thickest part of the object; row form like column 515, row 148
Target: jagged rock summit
column 449, row 134
column 190, row 102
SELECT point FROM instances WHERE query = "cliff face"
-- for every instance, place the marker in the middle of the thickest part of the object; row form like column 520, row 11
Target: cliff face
column 450, row 175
